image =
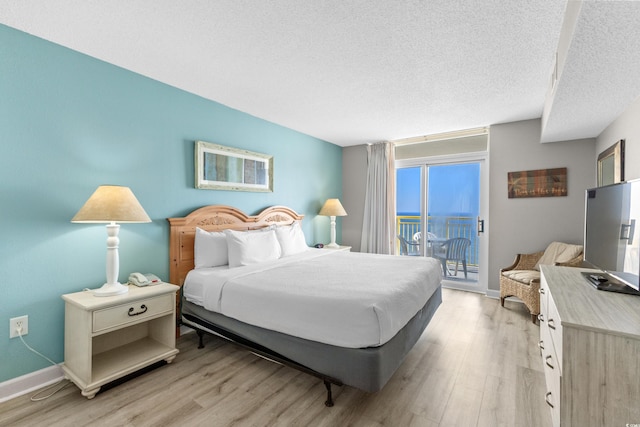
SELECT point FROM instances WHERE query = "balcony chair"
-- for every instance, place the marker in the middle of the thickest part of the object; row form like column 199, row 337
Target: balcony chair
column 454, row 249
column 522, row 278
column 408, row 248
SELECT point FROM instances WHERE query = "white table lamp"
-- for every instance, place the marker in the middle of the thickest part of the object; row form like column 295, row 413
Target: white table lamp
column 111, row 204
column 333, row 208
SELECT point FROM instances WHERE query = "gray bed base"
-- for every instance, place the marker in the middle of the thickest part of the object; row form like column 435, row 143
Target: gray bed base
column 367, row 369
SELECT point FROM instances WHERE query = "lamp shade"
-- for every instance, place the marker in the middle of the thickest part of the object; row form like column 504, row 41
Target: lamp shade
column 332, row 207
column 111, row 203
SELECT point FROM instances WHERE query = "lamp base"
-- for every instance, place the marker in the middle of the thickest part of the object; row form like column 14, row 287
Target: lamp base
column 332, row 245
column 110, row 289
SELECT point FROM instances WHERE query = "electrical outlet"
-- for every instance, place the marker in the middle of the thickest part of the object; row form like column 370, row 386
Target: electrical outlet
column 15, row 322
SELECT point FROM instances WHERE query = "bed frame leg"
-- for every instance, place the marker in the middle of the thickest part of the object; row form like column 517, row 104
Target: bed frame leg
column 201, row 338
column 329, row 402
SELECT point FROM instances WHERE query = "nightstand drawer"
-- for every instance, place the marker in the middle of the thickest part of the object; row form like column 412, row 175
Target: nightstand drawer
column 131, row 312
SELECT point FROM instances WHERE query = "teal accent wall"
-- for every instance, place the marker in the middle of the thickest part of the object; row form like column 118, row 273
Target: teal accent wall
column 69, row 123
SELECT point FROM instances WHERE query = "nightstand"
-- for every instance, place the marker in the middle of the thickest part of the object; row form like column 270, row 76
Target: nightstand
column 339, row 248
column 106, row 338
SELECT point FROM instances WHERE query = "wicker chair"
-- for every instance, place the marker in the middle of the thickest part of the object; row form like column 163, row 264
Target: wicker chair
column 522, row 278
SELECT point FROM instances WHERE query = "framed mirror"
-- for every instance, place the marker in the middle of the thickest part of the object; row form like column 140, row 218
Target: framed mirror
column 224, row 168
column 611, row 164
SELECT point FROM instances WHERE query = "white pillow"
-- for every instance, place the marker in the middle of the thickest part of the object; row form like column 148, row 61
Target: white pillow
column 247, row 248
column 291, row 239
column 558, row 252
column 210, row 249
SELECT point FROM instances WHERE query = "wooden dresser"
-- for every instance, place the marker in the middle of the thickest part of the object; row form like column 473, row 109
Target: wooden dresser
column 590, row 346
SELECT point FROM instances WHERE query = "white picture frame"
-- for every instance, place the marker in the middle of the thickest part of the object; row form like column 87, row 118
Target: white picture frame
column 225, row 168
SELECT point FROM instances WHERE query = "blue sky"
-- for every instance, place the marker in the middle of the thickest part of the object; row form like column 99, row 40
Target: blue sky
column 453, row 189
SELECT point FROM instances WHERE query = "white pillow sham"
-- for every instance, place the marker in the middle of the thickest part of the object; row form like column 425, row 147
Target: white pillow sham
column 246, row 248
column 291, row 239
column 210, row 249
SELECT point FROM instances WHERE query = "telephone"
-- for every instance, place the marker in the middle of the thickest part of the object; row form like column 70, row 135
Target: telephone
column 140, row 279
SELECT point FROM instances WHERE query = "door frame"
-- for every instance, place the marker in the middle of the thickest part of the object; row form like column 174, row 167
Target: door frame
column 478, row 157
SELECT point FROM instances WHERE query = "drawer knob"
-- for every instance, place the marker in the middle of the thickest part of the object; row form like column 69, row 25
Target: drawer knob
column 541, row 344
column 143, row 309
column 541, row 290
column 546, row 399
column 546, row 360
column 541, row 317
column 551, row 324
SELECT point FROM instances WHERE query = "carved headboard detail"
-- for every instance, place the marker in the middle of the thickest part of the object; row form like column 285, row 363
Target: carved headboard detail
column 182, row 231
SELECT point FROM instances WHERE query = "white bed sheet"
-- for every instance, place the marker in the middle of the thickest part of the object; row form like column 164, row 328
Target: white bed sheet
column 346, row 299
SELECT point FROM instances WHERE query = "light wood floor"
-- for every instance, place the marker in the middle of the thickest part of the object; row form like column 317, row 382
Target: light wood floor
column 477, row 364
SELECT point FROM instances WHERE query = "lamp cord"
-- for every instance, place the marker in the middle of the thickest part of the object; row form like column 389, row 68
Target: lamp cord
column 36, row 397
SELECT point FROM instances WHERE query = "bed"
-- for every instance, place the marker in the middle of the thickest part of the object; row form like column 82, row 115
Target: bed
column 346, row 318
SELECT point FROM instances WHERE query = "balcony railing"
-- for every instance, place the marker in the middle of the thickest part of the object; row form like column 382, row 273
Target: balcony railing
column 445, row 227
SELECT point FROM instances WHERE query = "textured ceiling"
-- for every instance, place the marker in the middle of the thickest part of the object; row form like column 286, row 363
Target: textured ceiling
column 346, row 71
column 601, row 76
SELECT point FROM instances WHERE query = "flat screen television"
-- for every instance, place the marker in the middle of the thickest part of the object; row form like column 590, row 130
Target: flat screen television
column 611, row 241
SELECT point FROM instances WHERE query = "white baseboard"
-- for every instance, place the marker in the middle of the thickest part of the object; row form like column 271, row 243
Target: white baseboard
column 492, row 293
column 30, row 382
column 19, row 386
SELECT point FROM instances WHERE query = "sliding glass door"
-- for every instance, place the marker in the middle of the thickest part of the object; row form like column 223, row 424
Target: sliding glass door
column 453, row 206
column 439, row 215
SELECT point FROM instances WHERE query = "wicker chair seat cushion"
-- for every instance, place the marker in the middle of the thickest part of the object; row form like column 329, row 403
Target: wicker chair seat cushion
column 522, row 276
column 558, row 252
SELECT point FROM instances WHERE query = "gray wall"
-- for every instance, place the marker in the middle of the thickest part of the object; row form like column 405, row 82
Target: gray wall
column 626, row 127
column 529, row 224
column 514, row 225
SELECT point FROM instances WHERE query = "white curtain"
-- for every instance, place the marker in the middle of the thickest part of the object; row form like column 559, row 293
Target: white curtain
column 378, row 228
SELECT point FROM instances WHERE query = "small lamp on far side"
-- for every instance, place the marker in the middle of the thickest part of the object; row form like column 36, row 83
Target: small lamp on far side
column 332, row 208
column 111, row 204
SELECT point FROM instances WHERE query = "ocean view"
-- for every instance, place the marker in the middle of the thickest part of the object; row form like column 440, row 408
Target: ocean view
column 452, row 201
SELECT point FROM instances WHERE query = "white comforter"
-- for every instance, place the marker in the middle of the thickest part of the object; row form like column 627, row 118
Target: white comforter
column 340, row 298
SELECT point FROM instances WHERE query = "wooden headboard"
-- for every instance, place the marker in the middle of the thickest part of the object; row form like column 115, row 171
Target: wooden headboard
column 182, row 231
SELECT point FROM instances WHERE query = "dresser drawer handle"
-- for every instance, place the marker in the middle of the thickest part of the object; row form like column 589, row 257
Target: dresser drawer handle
column 546, row 399
column 541, row 344
column 541, row 317
column 541, row 290
column 546, row 360
column 551, row 324
column 143, row 309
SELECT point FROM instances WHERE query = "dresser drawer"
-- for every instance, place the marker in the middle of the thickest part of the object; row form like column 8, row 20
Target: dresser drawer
column 131, row 312
column 549, row 344
column 551, row 372
column 555, row 330
column 543, row 291
column 552, row 379
column 545, row 337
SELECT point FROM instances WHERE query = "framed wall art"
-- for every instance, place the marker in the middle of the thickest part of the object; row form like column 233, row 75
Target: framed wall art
column 537, row 183
column 224, row 168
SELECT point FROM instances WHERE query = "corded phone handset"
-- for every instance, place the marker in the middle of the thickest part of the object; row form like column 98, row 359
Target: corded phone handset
column 140, row 279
